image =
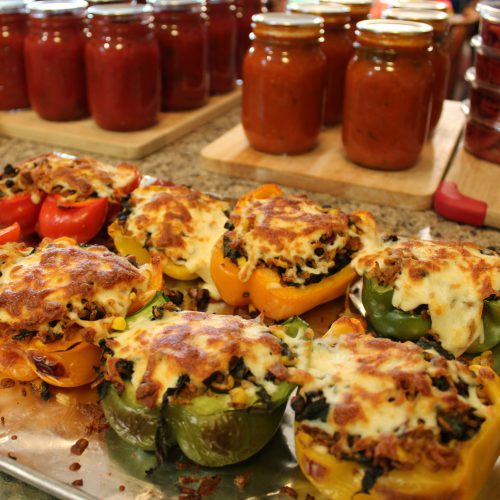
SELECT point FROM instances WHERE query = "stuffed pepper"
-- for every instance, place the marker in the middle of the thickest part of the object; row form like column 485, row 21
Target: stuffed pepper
column 58, row 301
column 385, row 419
column 286, row 254
column 450, row 291
column 61, row 195
column 215, row 385
column 177, row 223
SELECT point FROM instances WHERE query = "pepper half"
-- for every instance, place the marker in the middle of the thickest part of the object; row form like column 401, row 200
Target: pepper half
column 208, row 427
column 394, row 323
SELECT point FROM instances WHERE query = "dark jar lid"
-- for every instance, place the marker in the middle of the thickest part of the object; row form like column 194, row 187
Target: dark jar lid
column 388, row 33
column 332, row 13
column 437, row 19
column 56, row 8
column 13, row 6
column 161, row 5
column 121, row 12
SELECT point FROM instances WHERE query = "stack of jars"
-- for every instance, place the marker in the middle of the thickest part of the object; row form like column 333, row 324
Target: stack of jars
column 482, row 132
column 119, row 62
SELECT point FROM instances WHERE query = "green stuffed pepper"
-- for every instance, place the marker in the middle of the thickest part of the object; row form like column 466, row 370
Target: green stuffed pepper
column 215, row 385
column 451, row 291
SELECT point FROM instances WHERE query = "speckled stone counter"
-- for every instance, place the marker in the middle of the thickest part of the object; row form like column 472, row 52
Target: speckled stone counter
column 179, row 163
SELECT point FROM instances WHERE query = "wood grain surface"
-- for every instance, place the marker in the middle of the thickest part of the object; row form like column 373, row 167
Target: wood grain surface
column 87, row 136
column 326, row 169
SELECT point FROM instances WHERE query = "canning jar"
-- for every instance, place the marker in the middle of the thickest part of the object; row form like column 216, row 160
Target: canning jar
column 181, row 30
column 54, row 58
column 13, row 91
column 284, row 82
column 359, row 11
column 440, row 55
column 123, row 67
column 245, row 9
column 484, row 98
column 338, row 49
column 388, row 94
column 222, row 45
column 489, row 23
column 487, row 62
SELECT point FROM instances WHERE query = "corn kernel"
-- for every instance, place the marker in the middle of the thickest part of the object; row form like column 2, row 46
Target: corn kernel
column 119, row 323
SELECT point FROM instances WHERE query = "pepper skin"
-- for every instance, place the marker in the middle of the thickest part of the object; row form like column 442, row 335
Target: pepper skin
column 341, row 480
column 390, row 322
column 10, row 233
column 22, row 208
column 266, row 293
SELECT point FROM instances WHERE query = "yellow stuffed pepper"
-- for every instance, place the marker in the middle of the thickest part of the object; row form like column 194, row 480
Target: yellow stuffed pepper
column 286, row 254
column 384, row 419
column 178, row 224
column 58, row 301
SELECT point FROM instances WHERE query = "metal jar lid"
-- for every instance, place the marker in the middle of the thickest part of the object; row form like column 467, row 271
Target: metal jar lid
column 393, row 27
column 427, row 5
column 159, row 5
column 119, row 11
column 437, row 19
column 319, row 9
column 12, row 6
column 485, row 50
column 56, row 8
column 283, row 19
column 489, row 10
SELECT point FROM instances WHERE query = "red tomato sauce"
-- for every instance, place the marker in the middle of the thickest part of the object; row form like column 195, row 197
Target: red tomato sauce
column 54, row 56
column 284, row 81
column 182, row 35
column 13, row 90
column 123, row 67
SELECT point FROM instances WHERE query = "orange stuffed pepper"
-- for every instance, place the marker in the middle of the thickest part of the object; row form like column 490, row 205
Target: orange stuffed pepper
column 285, row 254
column 58, row 301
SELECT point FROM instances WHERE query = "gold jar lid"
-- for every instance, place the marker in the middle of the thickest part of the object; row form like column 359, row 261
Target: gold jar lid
column 332, row 13
column 437, row 19
column 283, row 25
column 358, row 7
column 427, row 5
column 387, row 33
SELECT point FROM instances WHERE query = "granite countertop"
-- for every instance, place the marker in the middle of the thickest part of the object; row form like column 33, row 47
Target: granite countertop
column 179, row 163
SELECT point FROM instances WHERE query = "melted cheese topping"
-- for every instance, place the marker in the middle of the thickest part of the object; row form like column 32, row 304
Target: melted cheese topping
column 73, row 178
column 377, row 387
column 452, row 279
column 198, row 345
column 50, row 288
column 180, row 223
column 292, row 231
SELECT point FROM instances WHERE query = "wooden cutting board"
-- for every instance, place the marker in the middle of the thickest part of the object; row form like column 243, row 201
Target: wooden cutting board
column 87, row 136
column 325, row 169
column 470, row 191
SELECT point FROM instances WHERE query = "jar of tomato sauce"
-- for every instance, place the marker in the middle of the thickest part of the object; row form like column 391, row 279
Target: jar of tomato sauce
column 123, row 67
column 222, row 45
column 388, row 94
column 489, row 23
column 54, row 57
column 13, row 91
column 440, row 55
column 245, row 9
column 338, row 49
column 284, row 83
column 359, row 11
column 181, row 30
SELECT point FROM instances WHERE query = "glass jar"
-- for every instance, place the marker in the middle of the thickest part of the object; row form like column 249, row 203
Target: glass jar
column 440, row 55
column 13, row 91
column 489, row 23
column 54, row 58
column 388, row 94
column 245, row 9
column 487, row 62
column 222, row 45
column 338, row 49
column 484, row 98
column 359, row 11
column 123, row 67
column 482, row 139
column 284, row 82
column 181, row 31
